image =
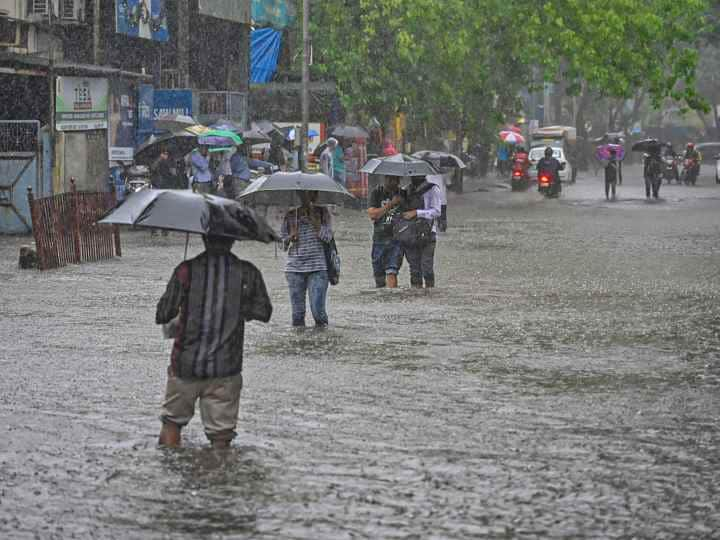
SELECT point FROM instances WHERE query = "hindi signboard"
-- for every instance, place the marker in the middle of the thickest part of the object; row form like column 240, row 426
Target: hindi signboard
column 81, row 103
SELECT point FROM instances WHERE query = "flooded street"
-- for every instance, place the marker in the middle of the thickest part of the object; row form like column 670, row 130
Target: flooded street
column 562, row 381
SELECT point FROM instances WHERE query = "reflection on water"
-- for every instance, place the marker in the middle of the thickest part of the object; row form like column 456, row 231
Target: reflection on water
column 561, row 381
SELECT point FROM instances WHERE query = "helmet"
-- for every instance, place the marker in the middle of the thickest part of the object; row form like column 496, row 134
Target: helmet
column 668, row 144
column 548, row 152
column 690, row 145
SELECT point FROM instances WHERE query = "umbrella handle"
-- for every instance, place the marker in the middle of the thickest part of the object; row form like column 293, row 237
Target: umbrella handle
column 187, row 241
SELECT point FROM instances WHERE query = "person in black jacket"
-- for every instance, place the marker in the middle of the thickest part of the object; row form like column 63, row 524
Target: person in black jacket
column 611, row 175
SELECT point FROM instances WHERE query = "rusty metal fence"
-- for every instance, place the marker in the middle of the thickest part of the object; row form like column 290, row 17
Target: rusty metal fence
column 66, row 230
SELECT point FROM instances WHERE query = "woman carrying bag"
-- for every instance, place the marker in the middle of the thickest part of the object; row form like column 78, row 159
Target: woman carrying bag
column 306, row 231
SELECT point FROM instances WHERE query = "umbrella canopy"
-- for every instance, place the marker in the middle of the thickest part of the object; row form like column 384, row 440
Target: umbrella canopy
column 291, row 134
column 280, row 189
column 197, row 129
column 398, row 165
column 602, row 152
column 647, row 145
column 254, row 136
column 514, row 128
column 174, row 122
column 226, row 125
column 185, row 211
column 177, row 144
column 349, row 132
column 511, row 137
column 219, row 137
column 268, row 128
column 440, row 159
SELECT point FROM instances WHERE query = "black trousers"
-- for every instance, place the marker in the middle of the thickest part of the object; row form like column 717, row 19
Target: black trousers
column 421, row 260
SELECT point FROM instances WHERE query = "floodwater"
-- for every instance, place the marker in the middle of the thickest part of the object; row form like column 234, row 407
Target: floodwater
column 562, row 381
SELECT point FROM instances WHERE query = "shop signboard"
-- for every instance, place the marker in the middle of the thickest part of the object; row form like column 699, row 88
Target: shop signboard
column 145, row 19
column 121, row 124
column 237, row 11
column 145, row 124
column 81, row 103
column 172, row 102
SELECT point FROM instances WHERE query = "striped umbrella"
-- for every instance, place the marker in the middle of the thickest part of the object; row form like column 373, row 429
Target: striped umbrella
column 511, row 137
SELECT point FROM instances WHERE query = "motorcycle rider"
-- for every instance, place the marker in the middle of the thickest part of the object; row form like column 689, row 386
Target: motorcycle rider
column 691, row 153
column 670, row 156
column 551, row 166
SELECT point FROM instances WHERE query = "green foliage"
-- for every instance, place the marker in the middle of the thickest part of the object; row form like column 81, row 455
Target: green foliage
column 463, row 63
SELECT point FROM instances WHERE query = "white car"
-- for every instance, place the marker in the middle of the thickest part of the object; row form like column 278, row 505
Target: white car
column 538, row 152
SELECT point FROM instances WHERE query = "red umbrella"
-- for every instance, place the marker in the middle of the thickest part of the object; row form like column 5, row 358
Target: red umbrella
column 516, row 129
column 511, row 137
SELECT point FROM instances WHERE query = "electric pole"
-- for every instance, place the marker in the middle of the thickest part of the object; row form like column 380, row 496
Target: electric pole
column 305, row 86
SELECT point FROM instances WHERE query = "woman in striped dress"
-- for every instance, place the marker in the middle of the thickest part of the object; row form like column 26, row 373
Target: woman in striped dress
column 304, row 231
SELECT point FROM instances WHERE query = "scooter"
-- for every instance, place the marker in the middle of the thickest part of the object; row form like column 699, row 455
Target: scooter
column 137, row 178
column 690, row 172
column 548, row 185
column 670, row 168
column 520, row 180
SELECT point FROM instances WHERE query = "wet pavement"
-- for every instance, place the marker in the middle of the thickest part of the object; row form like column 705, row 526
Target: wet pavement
column 562, row 381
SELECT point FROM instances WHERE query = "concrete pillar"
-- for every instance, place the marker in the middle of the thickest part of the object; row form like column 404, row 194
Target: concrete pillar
column 183, row 43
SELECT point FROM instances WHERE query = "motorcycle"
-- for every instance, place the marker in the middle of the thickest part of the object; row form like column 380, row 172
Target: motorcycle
column 520, row 179
column 670, row 170
column 137, row 178
column 690, row 171
column 548, row 184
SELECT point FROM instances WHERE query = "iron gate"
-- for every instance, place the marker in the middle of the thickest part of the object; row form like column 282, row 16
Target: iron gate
column 19, row 170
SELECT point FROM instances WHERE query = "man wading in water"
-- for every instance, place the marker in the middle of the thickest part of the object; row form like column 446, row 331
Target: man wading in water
column 212, row 296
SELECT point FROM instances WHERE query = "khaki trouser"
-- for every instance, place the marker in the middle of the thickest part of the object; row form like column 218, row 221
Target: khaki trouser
column 219, row 403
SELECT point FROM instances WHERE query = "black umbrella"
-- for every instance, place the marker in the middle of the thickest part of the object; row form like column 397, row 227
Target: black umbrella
column 177, row 144
column 398, row 165
column 254, row 136
column 185, row 211
column 349, row 132
column 281, row 189
column 440, row 159
column 646, row 145
column 268, row 128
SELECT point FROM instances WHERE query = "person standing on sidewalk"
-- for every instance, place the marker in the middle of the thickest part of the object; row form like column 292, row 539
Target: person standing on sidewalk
column 303, row 231
column 207, row 302
column 386, row 253
column 422, row 202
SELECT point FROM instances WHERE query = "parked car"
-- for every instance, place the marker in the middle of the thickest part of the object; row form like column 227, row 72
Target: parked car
column 538, row 152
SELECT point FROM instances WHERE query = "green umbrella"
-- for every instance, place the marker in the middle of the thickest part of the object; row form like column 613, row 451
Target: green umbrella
column 219, row 137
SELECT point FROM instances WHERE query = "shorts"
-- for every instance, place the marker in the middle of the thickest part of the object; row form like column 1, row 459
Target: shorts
column 219, row 404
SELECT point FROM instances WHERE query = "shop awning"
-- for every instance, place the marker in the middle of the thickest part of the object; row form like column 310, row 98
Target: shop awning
column 22, row 64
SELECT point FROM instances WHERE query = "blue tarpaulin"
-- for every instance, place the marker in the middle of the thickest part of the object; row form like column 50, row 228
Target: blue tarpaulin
column 264, row 51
